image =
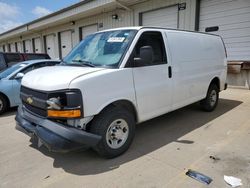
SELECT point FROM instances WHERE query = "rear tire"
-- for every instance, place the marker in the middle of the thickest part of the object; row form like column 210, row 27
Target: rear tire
column 210, row 102
column 116, row 126
column 3, row 104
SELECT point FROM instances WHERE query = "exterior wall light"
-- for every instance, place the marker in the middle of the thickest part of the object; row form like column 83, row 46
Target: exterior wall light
column 114, row 16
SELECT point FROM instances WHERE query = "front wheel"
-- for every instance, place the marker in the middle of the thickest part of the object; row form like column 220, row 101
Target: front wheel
column 116, row 126
column 3, row 104
column 210, row 102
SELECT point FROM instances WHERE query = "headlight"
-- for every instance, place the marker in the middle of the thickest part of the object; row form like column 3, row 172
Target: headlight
column 54, row 103
column 65, row 104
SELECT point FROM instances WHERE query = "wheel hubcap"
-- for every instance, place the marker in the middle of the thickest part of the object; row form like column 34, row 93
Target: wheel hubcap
column 117, row 133
column 213, row 98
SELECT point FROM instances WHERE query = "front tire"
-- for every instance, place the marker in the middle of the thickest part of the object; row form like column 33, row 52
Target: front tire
column 116, row 126
column 210, row 102
column 3, row 104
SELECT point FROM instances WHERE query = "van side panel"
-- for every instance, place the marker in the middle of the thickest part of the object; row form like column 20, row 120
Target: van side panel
column 196, row 59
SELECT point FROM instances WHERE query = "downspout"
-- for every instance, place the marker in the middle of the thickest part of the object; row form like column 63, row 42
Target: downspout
column 197, row 15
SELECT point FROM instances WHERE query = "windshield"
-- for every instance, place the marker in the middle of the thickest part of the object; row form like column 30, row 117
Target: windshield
column 101, row 49
column 10, row 70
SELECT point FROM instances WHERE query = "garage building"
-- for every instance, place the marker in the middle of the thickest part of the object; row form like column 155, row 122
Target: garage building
column 57, row 33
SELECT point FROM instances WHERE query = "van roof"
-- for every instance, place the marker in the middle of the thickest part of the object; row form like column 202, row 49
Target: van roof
column 154, row 27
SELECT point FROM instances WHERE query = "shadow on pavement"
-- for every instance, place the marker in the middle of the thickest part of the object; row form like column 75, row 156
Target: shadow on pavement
column 150, row 136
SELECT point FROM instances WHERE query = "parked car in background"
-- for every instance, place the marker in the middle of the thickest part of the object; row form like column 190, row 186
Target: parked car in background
column 10, row 81
column 8, row 59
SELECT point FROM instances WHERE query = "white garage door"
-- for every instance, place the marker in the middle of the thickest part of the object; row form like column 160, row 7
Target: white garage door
column 1, row 48
column 165, row 17
column 28, row 47
column 38, row 45
column 50, row 46
column 66, row 43
column 12, row 47
column 233, row 20
column 87, row 30
column 19, row 47
column 7, row 48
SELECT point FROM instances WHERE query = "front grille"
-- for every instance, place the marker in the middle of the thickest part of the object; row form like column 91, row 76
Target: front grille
column 34, row 110
column 34, row 93
column 38, row 104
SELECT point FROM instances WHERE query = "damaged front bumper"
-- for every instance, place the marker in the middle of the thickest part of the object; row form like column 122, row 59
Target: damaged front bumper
column 55, row 136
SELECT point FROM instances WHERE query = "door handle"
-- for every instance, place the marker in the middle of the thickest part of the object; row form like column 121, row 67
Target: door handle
column 169, row 71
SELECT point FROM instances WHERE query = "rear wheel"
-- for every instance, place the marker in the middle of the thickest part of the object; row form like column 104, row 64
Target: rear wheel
column 116, row 126
column 210, row 102
column 3, row 104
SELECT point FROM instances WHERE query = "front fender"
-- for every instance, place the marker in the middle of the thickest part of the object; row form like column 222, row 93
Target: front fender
column 102, row 88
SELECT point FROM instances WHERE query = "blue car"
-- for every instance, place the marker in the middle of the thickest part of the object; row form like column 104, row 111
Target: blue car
column 10, row 81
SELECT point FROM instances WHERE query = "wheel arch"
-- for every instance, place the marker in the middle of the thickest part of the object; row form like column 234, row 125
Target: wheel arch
column 6, row 97
column 124, row 103
column 215, row 81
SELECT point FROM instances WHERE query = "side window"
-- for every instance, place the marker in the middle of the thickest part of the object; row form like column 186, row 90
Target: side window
column 155, row 40
column 39, row 65
column 52, row 63
column 27, row 69
column 33, row 67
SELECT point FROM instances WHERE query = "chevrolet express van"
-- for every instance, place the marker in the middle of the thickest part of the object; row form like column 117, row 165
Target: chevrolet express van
column 115, row 79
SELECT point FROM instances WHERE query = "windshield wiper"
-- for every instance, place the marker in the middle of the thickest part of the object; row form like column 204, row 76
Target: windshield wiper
column 83, row 63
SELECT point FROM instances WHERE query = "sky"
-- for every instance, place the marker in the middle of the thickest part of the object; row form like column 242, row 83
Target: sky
column 17, row 12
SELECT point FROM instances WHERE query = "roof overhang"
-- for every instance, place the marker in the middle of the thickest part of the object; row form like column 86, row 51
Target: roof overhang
column 77, row 11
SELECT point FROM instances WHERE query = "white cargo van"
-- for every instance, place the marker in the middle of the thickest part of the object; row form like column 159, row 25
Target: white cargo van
column 115, row 79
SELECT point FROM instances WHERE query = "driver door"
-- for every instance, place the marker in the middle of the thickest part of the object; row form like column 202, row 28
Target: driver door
column 152, row 82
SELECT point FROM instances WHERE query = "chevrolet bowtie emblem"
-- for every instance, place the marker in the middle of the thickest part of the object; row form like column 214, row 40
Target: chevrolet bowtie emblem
column 29, row 100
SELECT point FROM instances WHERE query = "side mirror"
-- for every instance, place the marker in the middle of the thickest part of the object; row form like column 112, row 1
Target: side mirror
column 19, row 76
column 146, row 57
